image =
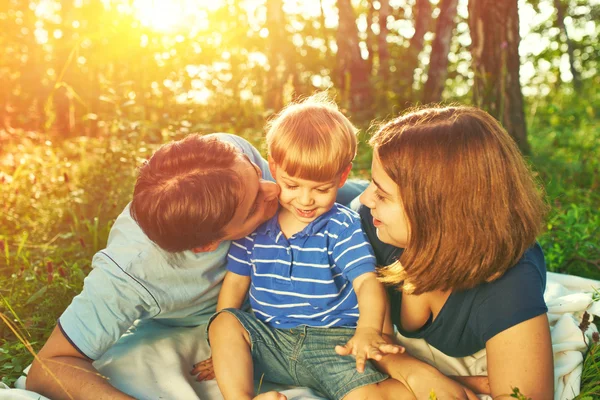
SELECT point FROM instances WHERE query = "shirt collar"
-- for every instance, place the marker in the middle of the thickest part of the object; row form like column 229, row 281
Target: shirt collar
column 271, row 227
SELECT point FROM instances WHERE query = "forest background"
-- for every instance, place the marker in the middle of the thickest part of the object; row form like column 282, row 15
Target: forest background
column 89, row 88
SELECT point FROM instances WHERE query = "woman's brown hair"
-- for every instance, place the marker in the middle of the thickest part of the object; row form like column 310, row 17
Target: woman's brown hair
column 471, row 201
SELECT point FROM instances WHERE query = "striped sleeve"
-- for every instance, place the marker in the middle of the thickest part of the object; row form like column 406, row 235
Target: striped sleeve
column 238, row 258
column 352, row 253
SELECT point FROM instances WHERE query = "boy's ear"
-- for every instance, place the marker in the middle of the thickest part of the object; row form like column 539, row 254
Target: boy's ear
column 207, row 248
column 272, row 166
column 345, row 174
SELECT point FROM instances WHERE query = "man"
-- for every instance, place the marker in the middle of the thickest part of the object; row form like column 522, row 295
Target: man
column 162, row 267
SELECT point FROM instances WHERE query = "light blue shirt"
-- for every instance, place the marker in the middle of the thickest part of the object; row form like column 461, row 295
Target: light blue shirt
column 133, row 279
column 305, row 279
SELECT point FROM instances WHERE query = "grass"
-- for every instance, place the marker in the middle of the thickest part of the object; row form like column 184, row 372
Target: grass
column 60, row 198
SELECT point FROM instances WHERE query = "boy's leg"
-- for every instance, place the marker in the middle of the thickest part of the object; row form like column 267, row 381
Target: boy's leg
column 232, row 360
column 238, row 339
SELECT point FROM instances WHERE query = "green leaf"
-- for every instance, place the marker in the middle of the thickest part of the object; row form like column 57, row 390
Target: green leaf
column 37, row 295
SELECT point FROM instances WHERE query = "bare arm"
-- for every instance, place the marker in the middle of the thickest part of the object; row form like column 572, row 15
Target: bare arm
column 74, row 376
column 521, row 357
column 368, row 340
column 372, row 301
column 233, row 292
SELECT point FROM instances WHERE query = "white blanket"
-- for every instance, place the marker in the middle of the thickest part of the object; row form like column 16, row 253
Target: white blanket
column 155, row 362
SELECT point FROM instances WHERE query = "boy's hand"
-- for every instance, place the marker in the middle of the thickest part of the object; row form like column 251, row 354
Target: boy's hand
column 367, row 343
column 204, row 370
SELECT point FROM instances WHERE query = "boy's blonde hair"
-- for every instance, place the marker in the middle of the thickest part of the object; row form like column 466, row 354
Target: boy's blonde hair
column 312, row 139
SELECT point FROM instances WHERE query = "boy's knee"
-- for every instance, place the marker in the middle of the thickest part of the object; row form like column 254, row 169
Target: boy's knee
column 225, row 325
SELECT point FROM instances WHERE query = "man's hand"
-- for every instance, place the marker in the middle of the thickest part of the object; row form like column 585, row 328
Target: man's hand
column 367, row 343
column 204, row 370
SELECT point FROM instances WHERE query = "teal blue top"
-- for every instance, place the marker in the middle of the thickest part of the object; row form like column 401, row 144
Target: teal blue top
column 133, row 279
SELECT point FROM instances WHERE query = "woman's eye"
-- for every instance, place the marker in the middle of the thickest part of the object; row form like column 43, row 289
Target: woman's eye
column 323, row 190
column 291, row 187
column 378, row 196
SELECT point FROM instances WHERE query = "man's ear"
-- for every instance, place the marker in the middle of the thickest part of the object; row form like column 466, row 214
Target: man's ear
column 272, row 166
column 345, row 174
column 207, row 248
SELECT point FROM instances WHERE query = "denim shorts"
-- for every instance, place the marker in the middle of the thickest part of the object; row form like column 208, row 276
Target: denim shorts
column 305, row 356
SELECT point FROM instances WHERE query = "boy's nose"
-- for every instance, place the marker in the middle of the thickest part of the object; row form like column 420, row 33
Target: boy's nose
column 305, row 198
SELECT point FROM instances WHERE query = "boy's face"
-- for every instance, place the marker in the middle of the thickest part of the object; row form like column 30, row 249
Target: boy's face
column 304, row 199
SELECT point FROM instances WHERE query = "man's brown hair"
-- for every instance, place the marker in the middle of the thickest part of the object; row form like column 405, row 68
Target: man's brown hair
column 471, row 201
column 187, row 192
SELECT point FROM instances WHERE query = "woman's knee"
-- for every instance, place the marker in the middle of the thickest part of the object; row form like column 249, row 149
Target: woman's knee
column 389, row 389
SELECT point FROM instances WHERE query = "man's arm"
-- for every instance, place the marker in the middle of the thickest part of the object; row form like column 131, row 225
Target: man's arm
column 60, row 371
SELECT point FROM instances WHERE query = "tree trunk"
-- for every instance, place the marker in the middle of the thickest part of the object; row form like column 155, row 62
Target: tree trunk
column 560, row 22
column 438, row 62
column 324, row 31
column 276, row 54
column 370, row 42
column 63, row 99
column 422, row 17
column 382, row 44
column 353, row 75
column 494, row 27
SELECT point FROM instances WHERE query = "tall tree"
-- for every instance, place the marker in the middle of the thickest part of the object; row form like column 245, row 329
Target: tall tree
column 371, row 37
column 63, row 99
column 276, row 53
column 560, row 22
column 438, row 62
column 382, row 44
column 422, row 17
column 494, row 27
column 353, row 72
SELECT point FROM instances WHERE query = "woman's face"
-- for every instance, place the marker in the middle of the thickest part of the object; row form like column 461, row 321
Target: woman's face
column 383, row 198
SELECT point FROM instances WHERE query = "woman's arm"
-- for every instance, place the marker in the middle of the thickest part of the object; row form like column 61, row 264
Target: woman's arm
column 521, row 357
column 421, row 378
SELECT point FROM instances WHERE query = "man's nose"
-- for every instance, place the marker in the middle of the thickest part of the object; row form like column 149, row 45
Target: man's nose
column 270, row 189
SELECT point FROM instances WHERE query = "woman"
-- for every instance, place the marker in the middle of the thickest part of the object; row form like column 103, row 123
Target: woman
column 451, row 189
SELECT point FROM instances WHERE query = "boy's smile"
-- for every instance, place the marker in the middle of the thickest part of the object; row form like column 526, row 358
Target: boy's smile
column 305, row 200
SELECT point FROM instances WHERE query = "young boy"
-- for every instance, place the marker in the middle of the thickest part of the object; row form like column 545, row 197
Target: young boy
column 308, row 268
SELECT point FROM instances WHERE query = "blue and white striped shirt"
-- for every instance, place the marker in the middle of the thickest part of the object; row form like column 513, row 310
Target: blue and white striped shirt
column 306, row 279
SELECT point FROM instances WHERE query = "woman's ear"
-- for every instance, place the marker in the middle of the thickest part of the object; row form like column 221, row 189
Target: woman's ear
column 345, row 174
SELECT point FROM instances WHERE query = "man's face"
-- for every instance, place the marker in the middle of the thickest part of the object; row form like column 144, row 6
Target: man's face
column 259, row 201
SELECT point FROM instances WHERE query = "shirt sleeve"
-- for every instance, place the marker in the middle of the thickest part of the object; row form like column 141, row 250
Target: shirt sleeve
column 514, row 298
column 249, row 150
column 110, row 302
column 352, row 252
column 238, row 258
